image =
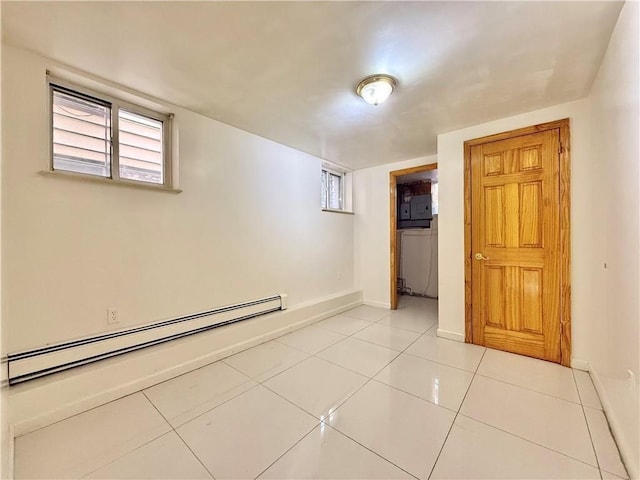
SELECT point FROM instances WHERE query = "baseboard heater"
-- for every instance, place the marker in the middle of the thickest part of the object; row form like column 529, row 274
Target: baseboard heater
column 39, row 362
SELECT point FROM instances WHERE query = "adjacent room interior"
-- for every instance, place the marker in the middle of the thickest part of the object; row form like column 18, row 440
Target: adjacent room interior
column 320, row 239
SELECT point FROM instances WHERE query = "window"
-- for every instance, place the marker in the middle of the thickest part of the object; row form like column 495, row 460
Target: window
column 332, row 190
column 434, row 198
column 95, row 134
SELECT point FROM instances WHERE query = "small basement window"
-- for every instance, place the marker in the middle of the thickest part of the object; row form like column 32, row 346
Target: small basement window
column 332, row 190
column 98, row 135
column 434, row 198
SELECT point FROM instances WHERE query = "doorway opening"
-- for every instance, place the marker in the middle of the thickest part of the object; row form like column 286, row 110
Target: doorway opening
column 413, row 233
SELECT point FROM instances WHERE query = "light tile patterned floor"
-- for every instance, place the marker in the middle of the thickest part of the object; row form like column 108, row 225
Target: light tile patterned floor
column 366, row 394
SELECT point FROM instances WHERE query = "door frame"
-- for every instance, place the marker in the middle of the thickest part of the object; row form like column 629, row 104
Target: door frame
column 565, row 232
column 393, row 230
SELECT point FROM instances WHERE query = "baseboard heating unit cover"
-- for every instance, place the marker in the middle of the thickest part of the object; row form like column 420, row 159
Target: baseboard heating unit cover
column 38, row 362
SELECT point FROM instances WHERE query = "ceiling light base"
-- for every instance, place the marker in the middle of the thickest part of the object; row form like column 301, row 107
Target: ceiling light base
column 375, row 89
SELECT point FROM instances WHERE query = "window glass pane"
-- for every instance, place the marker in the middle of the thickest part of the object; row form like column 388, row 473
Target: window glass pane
column 81, row 135
column 434, row 198
column 335, row 200
column 140, row 147
column 324, row 192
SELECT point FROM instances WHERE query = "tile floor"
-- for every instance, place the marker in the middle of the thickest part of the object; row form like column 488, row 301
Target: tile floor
column 366, row 394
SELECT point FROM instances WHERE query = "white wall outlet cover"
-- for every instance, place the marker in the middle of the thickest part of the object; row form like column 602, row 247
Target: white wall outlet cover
column 112, row 316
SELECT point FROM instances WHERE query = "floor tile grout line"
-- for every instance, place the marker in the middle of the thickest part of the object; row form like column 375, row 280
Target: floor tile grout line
column 335, row 331
column 316, row 354
column 277, row 339
column 128, row 452
column 288, row 449
column 529, row 389
column 442, row 363
column 360, row 373
column 249, row 376
column 352, row 335
column 371, row 323
column 194, row 454
column 79, row 413
column 613, row 439
column 214, row 407
column 599, row 407
column 373, row 451
column 401, row 328
column 513, row 434
column 377, row 323
column 528, row 440
column 309, row 355
column 615, row 474
column 384, row 346
column 452, row 410
column 409, row 393
column 291, row 402
column 180, row 436
column 371, row 378
column 428, row 321
column 346, row 313
column 317, row 421
column 145, row 443
column 359, row 318
column 586, row 421
column 321, row 421
column 444, row 443
column 323, row 348
column 368, row 379
column 362, row 340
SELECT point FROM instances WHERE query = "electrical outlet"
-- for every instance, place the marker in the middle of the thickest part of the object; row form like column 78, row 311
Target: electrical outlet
column 112, row 316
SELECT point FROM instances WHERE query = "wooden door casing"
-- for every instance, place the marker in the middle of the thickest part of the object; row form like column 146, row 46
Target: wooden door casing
column 393, row 240
column 516, row 216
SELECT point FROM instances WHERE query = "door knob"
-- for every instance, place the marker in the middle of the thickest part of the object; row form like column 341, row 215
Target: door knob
column 480, row 256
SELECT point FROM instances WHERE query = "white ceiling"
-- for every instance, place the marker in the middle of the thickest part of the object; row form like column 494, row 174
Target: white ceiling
column 287, row 70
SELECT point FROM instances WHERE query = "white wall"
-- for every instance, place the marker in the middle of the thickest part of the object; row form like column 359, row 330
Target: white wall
column 372, row 243
column 247, row 225
column 614, row 338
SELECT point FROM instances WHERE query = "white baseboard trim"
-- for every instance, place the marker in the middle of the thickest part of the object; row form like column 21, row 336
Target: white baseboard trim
column 458, row 337
column 373, row 303
column 629, row 457
column 38, row 403
column 580, row 364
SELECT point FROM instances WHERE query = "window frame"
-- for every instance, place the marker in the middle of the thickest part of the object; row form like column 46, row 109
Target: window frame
column 115, row 104
column 327, row 198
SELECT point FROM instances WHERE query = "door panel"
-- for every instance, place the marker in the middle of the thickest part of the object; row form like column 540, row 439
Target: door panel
column 515, row 242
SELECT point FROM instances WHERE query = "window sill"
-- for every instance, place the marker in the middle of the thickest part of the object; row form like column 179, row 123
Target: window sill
column 337, row 211
column 107, row 181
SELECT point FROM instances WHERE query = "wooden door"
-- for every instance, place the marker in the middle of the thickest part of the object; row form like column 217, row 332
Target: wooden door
column 516, row 245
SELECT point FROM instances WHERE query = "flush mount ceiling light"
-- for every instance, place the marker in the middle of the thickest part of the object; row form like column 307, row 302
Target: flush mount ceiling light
column 376, row 89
